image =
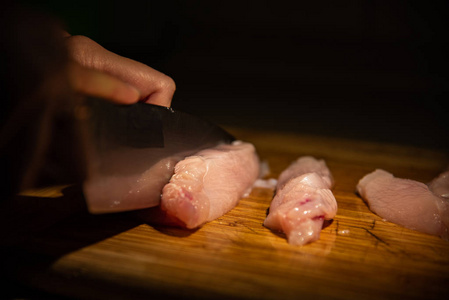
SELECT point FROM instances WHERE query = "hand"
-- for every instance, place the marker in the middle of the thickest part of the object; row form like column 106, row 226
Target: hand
column 98, row 72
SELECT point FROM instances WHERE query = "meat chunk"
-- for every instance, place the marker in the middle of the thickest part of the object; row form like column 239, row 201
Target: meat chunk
column 405, row 202
column 306, row 164
column 303, row 201
column 207, row 185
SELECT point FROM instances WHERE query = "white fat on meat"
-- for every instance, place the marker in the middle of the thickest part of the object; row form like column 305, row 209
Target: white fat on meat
column 210, row 183
column 303, row 201
column 406, row 202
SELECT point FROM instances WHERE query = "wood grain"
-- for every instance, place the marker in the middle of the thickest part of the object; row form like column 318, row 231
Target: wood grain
column 119, row 256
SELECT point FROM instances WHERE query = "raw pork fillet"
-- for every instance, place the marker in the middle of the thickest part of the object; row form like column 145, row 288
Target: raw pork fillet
column 405, row 202
column 209, row 184
column 303, row 200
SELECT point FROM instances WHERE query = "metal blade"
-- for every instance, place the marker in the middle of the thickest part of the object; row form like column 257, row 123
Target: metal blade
column 132, row 150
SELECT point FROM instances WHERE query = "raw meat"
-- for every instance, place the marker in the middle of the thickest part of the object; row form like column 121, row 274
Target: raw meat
column 303, row 165
column 303, row 201
column 405, row 202
column 207, row 185
column 115, row 191
column 440, row 185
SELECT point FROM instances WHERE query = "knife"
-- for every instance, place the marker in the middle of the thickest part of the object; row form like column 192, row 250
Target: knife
column 132, row 150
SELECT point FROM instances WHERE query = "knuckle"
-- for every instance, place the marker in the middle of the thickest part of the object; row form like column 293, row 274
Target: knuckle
column 78, row 42
column 81, row 49
column 169, row 84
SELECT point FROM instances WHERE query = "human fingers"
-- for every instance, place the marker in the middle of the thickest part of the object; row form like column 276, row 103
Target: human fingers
column 154, row 86
column 162, row 93
column 97, row 84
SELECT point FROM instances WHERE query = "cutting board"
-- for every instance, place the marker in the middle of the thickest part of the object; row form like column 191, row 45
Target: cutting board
column 53, row 244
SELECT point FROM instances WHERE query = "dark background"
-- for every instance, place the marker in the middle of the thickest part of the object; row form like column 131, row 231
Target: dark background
column 374, row 70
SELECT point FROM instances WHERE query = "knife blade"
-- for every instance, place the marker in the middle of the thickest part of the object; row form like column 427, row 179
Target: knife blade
column 132, row 150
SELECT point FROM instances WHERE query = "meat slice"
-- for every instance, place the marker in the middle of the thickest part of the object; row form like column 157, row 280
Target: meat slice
column 303, row 201
column 207, row 185
column 405, row 202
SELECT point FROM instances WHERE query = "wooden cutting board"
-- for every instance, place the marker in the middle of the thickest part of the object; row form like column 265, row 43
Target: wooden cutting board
column 53, row 244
